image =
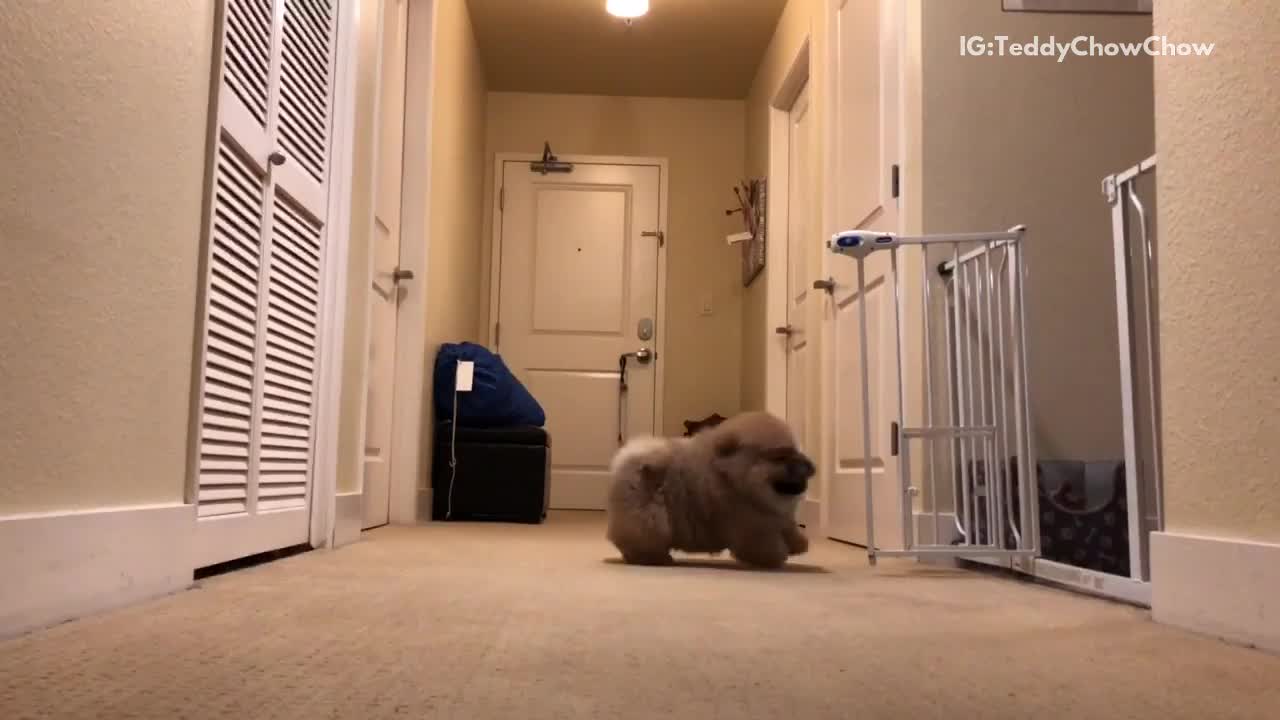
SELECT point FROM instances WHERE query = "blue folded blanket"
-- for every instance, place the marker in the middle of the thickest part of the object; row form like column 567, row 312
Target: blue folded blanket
column 497, row 397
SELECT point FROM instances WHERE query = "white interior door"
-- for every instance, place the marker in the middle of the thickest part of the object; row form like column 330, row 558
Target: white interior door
column 389, row 279
column 578, row 286
column 798, row 331
column 262, row 310
column 867, row 114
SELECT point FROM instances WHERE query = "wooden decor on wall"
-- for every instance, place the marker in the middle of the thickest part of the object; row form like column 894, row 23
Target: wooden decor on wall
column 751, row 196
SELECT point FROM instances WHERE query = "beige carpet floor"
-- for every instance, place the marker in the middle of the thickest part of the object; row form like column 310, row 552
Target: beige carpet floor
column 489, row 621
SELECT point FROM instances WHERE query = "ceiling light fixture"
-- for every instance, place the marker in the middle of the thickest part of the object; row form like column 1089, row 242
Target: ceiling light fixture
column 627, row 9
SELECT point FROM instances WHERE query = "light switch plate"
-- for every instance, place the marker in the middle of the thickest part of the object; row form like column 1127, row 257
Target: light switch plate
column 466, row 375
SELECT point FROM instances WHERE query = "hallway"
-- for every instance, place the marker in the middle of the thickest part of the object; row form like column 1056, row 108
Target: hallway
column 496, row 621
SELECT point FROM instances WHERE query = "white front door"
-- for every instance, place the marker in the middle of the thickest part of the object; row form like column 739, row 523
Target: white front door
column 389, row 282
column 800, row 239
column 267, row 236
column 867, row 116
column 578, row 288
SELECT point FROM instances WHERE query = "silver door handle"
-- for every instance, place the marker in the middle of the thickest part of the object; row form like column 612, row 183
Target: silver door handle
column 643, row 356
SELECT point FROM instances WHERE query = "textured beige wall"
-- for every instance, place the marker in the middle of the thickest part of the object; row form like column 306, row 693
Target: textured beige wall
column 703, row 141
column 104, row 117
column 355, row 354
column 799, row 19
column 1218, row 132
column 1028, row 140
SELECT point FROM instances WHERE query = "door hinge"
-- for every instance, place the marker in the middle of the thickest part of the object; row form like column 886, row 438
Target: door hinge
column 895, row 181
column 502, row 198
column 893, row 439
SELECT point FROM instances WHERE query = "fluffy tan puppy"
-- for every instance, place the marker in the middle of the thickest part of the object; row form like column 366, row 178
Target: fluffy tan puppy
column 733, row 487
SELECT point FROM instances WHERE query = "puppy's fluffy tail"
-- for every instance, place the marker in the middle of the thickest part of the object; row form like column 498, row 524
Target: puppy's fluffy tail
column 645, row 458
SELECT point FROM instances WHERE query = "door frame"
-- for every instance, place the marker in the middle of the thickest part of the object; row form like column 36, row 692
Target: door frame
column 350, row 505
column 495, row 256
column 799, row 78
column 778, row 224
column 911, row 169
column 409, row 409
column 325, row 459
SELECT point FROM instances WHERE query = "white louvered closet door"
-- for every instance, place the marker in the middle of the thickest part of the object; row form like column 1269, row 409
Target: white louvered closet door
column 263, row 287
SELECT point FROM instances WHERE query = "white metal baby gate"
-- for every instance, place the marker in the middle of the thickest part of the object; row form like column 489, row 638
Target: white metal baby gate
column 975, row 433
column 976, row 406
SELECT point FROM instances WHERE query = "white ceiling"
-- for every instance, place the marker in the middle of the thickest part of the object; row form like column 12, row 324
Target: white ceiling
column 682, row 48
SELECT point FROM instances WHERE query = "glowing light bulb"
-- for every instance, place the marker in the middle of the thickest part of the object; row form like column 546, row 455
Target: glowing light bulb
column 627, row 8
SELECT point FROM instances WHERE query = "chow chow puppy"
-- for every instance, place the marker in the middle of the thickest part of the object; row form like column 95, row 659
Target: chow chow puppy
column 731, row 487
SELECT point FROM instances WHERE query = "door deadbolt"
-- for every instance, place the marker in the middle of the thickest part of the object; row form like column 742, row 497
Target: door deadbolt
column 644, row 330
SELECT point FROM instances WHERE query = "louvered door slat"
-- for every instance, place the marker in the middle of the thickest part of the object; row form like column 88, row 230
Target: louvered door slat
column 306, row 87
column 231, row 335
column 297, row 257
column 300, row 249
column 247, row 54
column 292, row 345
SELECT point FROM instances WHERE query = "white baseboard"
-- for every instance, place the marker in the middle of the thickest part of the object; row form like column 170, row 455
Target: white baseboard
column 61, row 566
column 348, row 518
column 1229, row 589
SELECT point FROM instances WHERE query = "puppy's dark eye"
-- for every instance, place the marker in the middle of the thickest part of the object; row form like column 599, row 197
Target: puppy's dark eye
column 777, row 455
column 727, row 446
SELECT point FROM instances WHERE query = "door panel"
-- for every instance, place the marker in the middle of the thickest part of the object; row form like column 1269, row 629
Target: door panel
column 386, row 291
column 266, row 244
column 576, row 279
column 867, row 114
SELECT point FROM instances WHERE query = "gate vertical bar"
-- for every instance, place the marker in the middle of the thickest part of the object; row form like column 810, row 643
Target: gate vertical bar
column 1027, row 468
column 866, row 412
column 1124, row 333
column 930, row 443
column 904, row 447
column 963, row 510
column 1152, row 346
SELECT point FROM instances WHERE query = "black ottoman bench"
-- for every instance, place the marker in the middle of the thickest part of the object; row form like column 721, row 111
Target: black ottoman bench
column 503, row 474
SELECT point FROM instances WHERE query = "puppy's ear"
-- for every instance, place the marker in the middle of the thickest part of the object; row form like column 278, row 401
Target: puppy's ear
column 652, row 476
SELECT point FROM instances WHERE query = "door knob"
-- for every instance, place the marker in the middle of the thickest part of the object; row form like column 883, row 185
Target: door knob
column 828, row 286
column 276, row 158
column 785, row 330
column 643, row 356
column 399, row 274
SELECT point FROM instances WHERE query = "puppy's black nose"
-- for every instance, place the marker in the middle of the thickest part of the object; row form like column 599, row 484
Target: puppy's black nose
column 800, row 469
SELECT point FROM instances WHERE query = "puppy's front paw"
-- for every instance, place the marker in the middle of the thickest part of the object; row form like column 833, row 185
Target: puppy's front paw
column 649, row 559
column 797, row 543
